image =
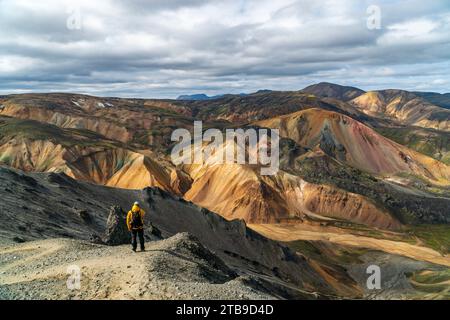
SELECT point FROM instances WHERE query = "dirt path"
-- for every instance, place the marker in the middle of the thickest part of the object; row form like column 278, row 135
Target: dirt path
column 170, row 269
column 299, row 232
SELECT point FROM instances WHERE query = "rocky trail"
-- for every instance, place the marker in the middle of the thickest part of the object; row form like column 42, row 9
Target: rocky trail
column 175, row 268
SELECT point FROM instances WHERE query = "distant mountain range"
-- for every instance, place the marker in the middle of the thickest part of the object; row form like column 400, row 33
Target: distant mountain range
column 202, row 96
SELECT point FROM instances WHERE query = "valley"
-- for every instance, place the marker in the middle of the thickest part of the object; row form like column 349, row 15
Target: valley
column 364, row 178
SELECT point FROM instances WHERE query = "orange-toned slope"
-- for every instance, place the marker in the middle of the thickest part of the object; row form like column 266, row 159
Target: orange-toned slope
column 405, row 107
column 113, row 166
column 356, row 144
column 240, row 192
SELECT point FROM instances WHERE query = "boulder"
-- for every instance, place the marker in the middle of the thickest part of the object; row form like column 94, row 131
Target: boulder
column 116, row 228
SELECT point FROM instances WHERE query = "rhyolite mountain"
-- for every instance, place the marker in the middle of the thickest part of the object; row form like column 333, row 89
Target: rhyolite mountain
column 331, row 90
column 372, row 166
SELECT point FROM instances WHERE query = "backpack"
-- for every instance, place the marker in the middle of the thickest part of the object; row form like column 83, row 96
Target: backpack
column 136, row 221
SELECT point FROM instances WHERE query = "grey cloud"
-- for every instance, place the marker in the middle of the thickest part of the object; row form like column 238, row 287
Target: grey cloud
column 164, row 48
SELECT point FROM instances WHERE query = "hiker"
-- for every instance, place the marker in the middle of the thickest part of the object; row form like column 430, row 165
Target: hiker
column 135, row 224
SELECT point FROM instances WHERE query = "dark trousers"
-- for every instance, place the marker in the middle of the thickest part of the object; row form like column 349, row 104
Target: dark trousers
column 134, row 235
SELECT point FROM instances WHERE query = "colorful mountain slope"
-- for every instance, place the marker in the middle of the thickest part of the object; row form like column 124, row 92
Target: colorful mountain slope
column 354, row 143
column 404, row 107
column 34, row 146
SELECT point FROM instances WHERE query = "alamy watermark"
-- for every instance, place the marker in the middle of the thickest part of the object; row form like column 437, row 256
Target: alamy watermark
column 374, row 280
column 74, row 20
column 374, row 17
column 74, row 280
column 235, row 146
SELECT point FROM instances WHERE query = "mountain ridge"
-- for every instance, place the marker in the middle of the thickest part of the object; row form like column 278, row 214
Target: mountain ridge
column 332, row 90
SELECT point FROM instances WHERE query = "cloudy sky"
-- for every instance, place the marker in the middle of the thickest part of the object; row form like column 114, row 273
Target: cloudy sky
column 164, row 48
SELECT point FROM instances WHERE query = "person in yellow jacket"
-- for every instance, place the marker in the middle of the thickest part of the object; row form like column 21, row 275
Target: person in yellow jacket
column 135, row 224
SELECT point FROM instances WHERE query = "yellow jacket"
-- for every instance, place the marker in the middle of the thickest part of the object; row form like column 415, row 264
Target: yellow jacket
column 135, row 208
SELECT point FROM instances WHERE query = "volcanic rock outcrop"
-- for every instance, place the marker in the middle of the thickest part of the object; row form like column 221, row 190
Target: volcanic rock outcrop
column 116, row 228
